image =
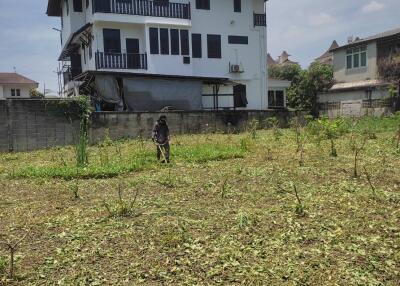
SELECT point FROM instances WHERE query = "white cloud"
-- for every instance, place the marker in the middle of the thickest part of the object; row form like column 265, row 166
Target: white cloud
column 373, row 6
column 321, row 19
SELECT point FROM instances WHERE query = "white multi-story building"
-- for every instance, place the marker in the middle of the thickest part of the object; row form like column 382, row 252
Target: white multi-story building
column 148, row 55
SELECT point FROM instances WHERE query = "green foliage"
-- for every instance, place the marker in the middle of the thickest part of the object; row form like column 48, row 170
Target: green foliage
column 307, row 84
column 135, row 160
column 252, row 128
column 85, row 110
column 35, row 93
column 329, row 129
column 3, row 266
column 273, row 123
column 285, row 72
column 122, row 207
column 338, row 231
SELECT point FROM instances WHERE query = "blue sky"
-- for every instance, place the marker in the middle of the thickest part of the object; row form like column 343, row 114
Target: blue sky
column 305, row 28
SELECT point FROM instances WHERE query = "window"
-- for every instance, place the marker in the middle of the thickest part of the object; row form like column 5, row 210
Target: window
column 184, row 42
column 240, row 40
column 154, row 43
column 87, row 4
column 237, row 6
column 15, row 92
column 174, row 41
column 78, row 5
column 186, row 60
column 276, row 99
column 239, row 96
column 214, row 46
column 356, row 57
column 164, row 41
column 196, row 46
column 67, row 5
column 112, row 41
column 203, row 4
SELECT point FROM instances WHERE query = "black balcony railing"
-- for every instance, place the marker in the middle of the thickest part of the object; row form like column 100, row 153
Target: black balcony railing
column 260, row 20
column 156, row 8
column 121, row 61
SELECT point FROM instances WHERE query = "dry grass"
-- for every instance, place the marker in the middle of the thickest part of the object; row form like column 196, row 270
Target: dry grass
column 208, row 219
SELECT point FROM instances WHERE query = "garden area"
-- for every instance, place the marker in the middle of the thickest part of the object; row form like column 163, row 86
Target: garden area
column 313, row 204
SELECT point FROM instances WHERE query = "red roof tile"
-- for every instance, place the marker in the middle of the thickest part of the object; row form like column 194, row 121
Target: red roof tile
column 14, row 78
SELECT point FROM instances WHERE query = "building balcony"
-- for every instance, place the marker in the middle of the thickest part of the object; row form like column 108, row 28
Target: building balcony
column 156, row 8
column 121, row 61
column 260, row 20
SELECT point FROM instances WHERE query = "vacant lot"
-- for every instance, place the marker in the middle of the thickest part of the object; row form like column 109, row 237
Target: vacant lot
column 247, row 209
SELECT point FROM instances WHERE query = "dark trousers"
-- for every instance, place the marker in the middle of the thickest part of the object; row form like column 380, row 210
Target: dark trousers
column 165, row 149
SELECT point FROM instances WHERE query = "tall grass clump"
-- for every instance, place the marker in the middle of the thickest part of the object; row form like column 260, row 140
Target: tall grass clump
column 85, row 110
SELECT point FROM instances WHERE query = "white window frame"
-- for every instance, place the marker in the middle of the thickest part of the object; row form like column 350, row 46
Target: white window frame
column 355, row 53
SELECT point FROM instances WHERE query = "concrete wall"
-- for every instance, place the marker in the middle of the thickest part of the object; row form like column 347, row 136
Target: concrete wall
column 342, row 74
column 33, row 124
column 37, row 124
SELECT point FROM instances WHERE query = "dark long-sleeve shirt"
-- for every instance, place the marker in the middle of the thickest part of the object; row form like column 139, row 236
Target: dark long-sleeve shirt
column 161, row 133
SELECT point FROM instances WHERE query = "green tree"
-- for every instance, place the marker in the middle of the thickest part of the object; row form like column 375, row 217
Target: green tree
column 36, row 93
column 306, row 84
column 285, row 72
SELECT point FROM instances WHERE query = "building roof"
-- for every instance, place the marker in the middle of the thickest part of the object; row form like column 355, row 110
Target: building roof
column 283, row 59
column 358, row 85
column 270, row 60
column 328, row 53
column 380, row 36
column 14, row 78
column 278, row 83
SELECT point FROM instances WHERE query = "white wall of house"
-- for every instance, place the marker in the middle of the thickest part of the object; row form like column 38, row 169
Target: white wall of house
column 342, row 74
column 24, row 90
column 377, row 93
column 1, row 92
column 220, row 20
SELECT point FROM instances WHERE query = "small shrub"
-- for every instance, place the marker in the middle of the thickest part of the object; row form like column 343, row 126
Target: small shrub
column 273, row 123
column 3, row 265
column 333, row 130
column 252, row 128
column 358, row 142
column 122, row 208
column 242, row 219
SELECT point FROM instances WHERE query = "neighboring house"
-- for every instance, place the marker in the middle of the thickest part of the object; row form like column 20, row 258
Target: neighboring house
column 327, row 57
column 359, row 86
column 146, row 55
column 276, row 87
column 277, row 93
column 13, row 85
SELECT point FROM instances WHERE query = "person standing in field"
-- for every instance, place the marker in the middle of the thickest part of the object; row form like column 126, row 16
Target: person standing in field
column 161, row 137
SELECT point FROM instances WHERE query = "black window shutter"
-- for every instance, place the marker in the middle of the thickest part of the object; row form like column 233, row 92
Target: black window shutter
column 214, row 46
column 196, row 46
column 240, row 96
column 184, row 42
column 237, row 6
column 112, row 41
column 164, row 41
column 154, row 43
column 174, row 41
column 78, row 5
